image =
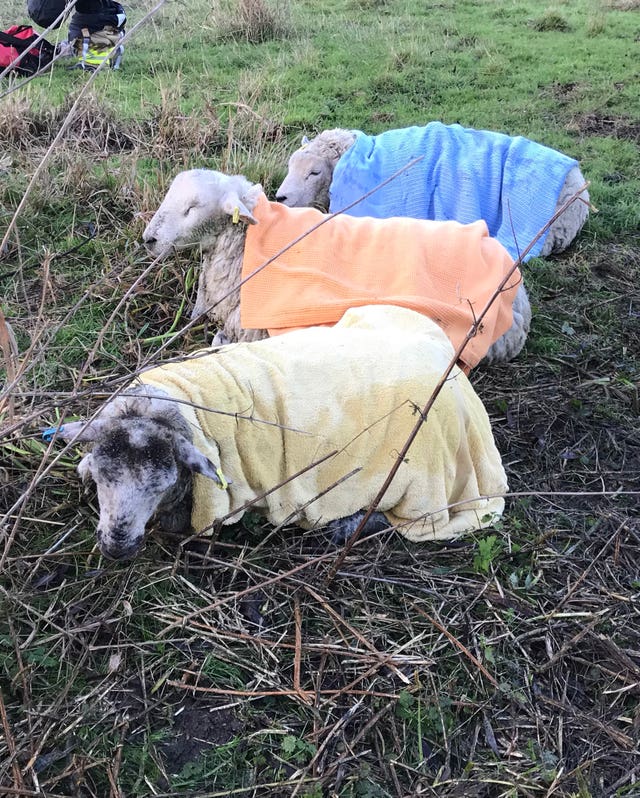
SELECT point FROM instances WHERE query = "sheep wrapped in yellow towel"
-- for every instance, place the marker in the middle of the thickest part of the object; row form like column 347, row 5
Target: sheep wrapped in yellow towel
column 261, row 412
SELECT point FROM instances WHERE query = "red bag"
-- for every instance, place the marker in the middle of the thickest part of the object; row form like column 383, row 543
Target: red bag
column 18, row 38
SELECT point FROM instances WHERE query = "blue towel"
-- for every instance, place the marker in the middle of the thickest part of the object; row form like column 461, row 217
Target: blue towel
column 510, row 182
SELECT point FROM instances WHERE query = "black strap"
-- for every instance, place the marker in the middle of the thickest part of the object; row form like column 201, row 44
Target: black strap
column 20, row 44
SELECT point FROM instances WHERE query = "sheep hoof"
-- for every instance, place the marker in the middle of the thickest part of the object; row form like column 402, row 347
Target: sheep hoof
column 220, row 339
column 343, row 528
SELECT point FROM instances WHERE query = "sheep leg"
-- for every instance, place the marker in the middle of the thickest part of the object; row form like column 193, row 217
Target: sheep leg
column 200, row 306
column 219, row 339
column 510, row 343
column 566, row 227
column 343, row 528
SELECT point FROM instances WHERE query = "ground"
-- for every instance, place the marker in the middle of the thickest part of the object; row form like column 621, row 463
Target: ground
column 502, row 664
column 510, row 659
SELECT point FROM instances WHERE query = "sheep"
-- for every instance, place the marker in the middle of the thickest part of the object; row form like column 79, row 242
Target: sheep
column 199, row 210
column 310, row 169
column 305, row 426
column 201, row 206
column 515, row 184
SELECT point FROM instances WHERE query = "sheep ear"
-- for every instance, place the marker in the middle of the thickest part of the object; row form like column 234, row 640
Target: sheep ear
column 305, row 140
column 195, row 461
column 237, row 210
column 79, row 431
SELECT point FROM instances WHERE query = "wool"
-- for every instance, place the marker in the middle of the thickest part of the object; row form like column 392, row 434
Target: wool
column 509, row 181
column 351, row 389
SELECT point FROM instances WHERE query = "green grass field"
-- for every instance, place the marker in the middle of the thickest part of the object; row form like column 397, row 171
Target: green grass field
column 507, row 664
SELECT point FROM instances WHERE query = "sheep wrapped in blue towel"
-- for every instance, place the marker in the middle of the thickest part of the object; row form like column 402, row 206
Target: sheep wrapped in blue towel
column 514, row 184
column 344, row 398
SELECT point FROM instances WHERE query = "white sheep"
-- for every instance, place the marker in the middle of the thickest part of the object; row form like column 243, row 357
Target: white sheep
column 513, row 183
column 236, row 228
column 306, row 426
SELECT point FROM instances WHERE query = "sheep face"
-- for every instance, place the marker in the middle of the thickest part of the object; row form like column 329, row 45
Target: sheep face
column 142, row 469
column 197, row 207
column 307, row 181
column 135, row 470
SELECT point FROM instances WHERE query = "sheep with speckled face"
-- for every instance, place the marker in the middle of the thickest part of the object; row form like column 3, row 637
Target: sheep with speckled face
column 280, row 425
column 142, row 462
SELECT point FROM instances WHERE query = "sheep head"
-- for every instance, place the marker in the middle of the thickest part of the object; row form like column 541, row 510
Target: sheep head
column 310, row 169
column 199, row 204
column 142, row 468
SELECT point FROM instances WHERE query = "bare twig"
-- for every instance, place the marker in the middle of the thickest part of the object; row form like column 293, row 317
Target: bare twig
column 11, row 745
column 458, row 644
column 56, row 22
column 67, row 122
column 9, row 349
column 443, row 379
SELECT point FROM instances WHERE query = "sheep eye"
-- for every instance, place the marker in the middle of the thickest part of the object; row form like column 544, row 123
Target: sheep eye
column 189, row 209
column 314, row 174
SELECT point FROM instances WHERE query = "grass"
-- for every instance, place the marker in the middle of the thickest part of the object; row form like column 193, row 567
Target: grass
column 503, row 665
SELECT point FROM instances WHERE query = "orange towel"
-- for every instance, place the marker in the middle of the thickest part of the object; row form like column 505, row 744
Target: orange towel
column 445, row 270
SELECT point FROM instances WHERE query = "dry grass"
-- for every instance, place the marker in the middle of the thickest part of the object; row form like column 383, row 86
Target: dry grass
column 507, row 665
column 254, row 21
column 491, row 667
column 551, row 19
column 622, row 5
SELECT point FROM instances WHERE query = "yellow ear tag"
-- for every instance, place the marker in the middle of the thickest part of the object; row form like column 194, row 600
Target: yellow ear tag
column 223, row 484
column 236, row 215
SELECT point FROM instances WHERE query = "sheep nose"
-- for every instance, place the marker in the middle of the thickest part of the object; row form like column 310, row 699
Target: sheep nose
column 281, row 197
column 149, row 239
column 116, row 551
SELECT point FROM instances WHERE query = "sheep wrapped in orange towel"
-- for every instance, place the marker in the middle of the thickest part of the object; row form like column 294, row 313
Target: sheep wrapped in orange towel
column 262, row 412
column 446, row 270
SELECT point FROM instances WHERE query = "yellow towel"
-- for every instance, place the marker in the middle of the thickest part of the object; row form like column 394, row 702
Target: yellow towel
column 353, row 388
column 446, row 270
